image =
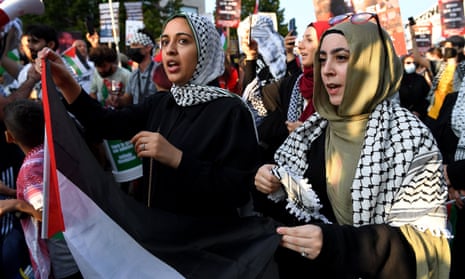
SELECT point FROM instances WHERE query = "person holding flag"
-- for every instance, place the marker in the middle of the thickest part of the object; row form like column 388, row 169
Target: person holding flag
column 199, row 151
column 24, row 121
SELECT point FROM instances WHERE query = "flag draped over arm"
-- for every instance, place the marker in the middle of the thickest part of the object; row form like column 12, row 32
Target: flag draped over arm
column 111, row 235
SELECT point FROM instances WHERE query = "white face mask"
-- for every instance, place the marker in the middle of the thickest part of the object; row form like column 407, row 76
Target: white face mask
column 410, row 68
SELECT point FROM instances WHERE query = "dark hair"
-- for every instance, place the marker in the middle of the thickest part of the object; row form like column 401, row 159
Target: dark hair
column 450, row 52
column 41, row 31
column 102, row 54
column 435, row 51
column 456, row 41
column 24, row 119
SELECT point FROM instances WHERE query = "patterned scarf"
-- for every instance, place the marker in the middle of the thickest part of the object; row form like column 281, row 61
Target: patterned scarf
column 271, row 63
column 392, row 171
column 210, row 64
column 296, row 102
column 270, row 45
column 458, row 122
column 443, row 87
column 373, row 75
column 30, row 188
column 398, row 179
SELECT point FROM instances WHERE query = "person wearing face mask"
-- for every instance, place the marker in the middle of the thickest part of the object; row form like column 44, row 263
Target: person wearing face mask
column 110, row 80
column 140, row 84
column 413, row 88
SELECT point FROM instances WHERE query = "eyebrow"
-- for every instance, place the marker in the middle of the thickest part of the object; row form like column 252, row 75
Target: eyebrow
column 178, row 34
column 333, row 51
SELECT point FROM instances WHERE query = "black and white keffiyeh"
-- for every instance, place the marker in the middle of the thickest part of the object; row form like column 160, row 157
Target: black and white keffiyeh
column 458, row 122
column 296, row 103
column 270, row 45
column 141, row 38
column 398, row 179
column 210, row 64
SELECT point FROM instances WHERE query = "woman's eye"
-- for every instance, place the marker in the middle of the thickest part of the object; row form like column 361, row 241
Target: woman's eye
column 342, row 57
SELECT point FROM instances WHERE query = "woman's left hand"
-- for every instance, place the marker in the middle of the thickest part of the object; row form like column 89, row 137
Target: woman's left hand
column 154, row 145
column 306, row 240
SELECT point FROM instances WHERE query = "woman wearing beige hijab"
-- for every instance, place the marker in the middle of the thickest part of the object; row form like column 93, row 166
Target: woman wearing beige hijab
column 362, row 175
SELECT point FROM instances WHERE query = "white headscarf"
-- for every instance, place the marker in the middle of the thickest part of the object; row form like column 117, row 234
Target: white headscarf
column 210, row 64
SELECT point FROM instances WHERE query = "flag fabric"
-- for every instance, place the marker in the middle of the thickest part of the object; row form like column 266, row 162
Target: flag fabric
column 71, row 58
column 111, row 235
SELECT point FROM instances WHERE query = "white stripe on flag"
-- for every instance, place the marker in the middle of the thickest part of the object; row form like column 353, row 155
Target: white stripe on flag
column 100, row 247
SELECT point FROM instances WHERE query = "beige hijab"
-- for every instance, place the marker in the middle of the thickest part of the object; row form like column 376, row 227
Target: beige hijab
column 373, row 75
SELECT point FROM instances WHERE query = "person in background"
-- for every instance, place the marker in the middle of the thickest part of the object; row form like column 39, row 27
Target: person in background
column 454, row 169
column 230, row 78
column 28, row 81
column 110, row 80
column 413, row 89
column 161, row 79
column 85, row 75
column 443, row 72
column 13, row 250
column 140, row 85
column 265, row 62
column 363, row 173
column 25, row 126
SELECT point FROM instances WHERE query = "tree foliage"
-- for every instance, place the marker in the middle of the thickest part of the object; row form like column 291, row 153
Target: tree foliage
column 71, row 15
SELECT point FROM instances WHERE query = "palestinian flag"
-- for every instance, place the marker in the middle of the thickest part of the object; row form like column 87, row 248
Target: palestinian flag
column 111, row 235
column 71, row 58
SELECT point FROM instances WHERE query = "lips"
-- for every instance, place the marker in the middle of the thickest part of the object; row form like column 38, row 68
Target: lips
column 172, row 67
column 332, row 88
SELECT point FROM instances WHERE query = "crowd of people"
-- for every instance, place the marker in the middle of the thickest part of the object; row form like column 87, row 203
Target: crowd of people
column 353, row 152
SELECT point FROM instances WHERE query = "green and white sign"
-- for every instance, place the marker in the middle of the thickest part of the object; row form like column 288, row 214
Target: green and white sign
column 124, row 161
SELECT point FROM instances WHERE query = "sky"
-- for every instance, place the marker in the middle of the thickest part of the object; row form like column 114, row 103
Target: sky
column 305, row 14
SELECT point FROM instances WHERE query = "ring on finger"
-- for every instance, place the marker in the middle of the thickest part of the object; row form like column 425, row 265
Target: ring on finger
column 143, row 147
column 303, row 253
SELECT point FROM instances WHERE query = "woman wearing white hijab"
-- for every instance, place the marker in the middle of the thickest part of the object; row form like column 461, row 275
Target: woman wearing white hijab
column 190, row 139
column 362, row 172
column 199, row 150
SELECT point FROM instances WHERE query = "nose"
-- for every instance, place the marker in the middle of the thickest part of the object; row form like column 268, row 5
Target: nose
column 170, row 48
column 327, row 68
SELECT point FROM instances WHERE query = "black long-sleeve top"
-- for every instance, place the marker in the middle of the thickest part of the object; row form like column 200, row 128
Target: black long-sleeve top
column 218, row 142
column 455, row 172
column 370, row 251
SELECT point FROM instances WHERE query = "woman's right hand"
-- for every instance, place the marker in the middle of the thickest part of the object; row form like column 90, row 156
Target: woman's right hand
column 265, row 181
column 60, row 74
column 250, row 50
column 291, row 126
